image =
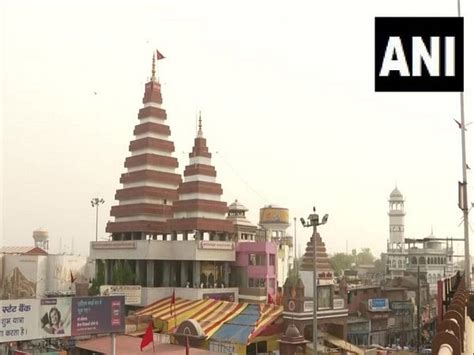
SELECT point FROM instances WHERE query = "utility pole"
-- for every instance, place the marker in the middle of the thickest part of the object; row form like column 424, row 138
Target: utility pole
column 95, row 202
column 294, row 247
column 418, row 304
column 313, row 221
column 463, row 189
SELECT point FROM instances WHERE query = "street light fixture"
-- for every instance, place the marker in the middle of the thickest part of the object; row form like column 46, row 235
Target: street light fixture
column 313, row 221
column 95, row 202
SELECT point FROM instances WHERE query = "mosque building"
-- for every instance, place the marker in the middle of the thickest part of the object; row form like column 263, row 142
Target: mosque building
column 430, row 256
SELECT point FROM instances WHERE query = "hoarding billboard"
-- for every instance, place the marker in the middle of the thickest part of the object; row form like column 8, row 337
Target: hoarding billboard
column 54, row 317
column 94, row 315
column 132, row 293
column 18, row 319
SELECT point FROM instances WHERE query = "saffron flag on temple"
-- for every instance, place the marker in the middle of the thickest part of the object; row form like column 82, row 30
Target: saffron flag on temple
column 159, row 55
column 270, row 299
column 148, row 337
column 173, row 302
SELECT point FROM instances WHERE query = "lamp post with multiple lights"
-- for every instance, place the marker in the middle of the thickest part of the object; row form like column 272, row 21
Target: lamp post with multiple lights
column 95, row 202
column 313, row 221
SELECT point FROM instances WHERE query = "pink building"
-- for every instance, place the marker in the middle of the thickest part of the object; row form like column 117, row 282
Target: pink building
column 255, row 270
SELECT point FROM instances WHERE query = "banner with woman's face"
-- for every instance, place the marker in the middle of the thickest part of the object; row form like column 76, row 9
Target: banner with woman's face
column 55, row 317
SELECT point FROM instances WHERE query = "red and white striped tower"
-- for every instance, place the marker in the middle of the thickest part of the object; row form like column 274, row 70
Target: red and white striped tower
column 150, row 183
column 199, row 206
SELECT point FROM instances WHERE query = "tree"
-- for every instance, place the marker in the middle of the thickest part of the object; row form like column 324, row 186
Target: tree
column 341, row 262
column 99, row 279
column 122, row 273
column 365, row 257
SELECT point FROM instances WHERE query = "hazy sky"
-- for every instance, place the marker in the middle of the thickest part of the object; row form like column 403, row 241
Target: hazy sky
column 288, row 105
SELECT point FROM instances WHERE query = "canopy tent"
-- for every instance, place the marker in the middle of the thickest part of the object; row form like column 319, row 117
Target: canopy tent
column 219, row 320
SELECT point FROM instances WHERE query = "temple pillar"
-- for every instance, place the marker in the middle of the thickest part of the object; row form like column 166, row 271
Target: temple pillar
column 137, row 272
column 196, row 273
column 184, row 273
column 166, row 274
column 150, row 273
column 226, row 274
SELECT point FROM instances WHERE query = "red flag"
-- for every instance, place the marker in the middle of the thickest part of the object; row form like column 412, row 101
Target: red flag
column 148, row 337
column 159, row 55
column 187, row 345
column 270, row 299
column 172, row 303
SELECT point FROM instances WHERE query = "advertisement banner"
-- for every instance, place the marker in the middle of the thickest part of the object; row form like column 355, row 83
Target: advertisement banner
column 93, row 315
column 21, row 276
column 132, row 293
column 54, row 317
column 18, row 320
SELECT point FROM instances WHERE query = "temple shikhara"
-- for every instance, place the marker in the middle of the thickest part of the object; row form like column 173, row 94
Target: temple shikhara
column 150, row 182
column 181, row 242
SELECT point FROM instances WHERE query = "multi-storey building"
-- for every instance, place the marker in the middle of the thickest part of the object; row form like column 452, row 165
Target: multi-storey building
column 255, row 268
column 274, row 222
column 32, row 272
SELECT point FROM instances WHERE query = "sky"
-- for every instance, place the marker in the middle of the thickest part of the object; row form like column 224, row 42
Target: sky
column 286, row 91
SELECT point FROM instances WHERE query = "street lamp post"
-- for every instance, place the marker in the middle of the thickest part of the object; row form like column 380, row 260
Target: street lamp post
column 95, row 202
column 313, row 221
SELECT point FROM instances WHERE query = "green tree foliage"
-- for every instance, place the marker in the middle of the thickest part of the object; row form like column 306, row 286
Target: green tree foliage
column 122, row 273
column 99, row 279
column 293, row 273
column 365, row 257
column 343, row 261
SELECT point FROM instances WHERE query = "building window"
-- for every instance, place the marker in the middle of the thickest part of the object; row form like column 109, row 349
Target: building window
column 257, row 259
column 260, row 282
column 272, row 259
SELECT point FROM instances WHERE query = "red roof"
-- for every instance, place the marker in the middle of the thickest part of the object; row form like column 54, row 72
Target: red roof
column 23, row 250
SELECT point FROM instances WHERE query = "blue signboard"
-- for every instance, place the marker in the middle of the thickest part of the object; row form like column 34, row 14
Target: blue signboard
column 378, row 304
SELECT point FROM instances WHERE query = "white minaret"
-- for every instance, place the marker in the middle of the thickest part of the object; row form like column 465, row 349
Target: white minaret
column 396, row 214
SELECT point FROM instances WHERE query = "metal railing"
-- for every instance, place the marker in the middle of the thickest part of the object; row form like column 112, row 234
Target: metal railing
column 449, row 338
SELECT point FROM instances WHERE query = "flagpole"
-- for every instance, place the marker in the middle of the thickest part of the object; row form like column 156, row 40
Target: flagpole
column 113, row 343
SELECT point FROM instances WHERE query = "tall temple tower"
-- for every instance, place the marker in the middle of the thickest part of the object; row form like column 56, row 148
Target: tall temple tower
column 150, row 182
column 396, row 216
